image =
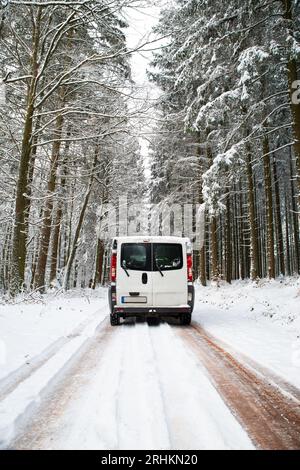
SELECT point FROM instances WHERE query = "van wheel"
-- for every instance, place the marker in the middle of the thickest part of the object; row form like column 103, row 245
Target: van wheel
column 153, row 321
column 114, row 320
column 185, row 319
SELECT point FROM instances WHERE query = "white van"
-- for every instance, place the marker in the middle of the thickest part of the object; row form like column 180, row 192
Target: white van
column 151, row 277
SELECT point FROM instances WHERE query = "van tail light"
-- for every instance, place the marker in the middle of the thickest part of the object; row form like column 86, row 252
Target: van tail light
column 189, row 263
column 113, row 267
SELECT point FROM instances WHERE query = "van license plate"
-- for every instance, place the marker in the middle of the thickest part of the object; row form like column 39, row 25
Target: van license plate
column 133, row 300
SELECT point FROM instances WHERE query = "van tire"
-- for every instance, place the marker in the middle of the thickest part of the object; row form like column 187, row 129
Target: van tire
column 114, row 320
column 185, row 319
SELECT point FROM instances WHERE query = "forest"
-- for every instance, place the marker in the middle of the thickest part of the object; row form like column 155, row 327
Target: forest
column 66, row 138
column 225, row 133
column 231, row 131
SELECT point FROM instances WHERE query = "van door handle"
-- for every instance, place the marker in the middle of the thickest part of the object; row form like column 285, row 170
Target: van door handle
column 144, row 278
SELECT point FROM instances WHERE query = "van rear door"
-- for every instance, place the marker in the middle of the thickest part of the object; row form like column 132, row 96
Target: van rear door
column 134, row 276
column 169, row 274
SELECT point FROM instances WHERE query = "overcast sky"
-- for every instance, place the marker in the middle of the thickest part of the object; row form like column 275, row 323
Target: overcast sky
column 141, row 22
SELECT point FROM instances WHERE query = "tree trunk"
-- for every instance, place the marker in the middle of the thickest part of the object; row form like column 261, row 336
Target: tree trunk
column 39, row 281
column 68, row 240
column 98, row 263
column 213, row 233
column 228, row 241
column 4, row 272
column 202, row 261
column 269, row 210
column 252, row 221
column 75, row 240
column 295, row 218
column 242, row 254
column 287, row 238
column 280, row 248
column 214, row 249
column 30, row 178
column 236, row 238
column 79, row 225
column 202, row 254
column 58, row 217
column 19, row 236
column 55, row 244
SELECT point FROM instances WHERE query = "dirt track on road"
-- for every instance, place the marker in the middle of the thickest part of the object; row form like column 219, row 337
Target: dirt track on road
column 269, row 414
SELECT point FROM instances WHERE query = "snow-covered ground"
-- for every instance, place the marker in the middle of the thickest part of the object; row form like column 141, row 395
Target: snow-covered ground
column 38, row 338
column 131, row 378
column 260, row 320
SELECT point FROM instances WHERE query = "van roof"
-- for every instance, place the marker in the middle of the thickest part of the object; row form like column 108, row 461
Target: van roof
column 153, row 239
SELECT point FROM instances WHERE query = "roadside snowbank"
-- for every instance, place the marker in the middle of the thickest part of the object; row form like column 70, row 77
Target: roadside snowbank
column 28, row 327
column 260, row 320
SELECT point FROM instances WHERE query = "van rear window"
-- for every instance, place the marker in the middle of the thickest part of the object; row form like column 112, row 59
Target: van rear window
column 167, row 256
column 136, row 256
column 151, row 256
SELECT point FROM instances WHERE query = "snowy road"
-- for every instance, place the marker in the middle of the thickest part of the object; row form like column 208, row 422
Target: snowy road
column 165, row 387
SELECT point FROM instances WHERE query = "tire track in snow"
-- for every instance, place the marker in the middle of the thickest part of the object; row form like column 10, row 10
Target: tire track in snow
column 196, row 414
column 35, row 430
column 117, row 395
column 162, row 393
column 14, row 378
column 142, row 418
column 271, row 418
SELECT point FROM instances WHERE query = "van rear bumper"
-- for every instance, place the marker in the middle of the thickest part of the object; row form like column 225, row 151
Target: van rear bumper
column 126, row 312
